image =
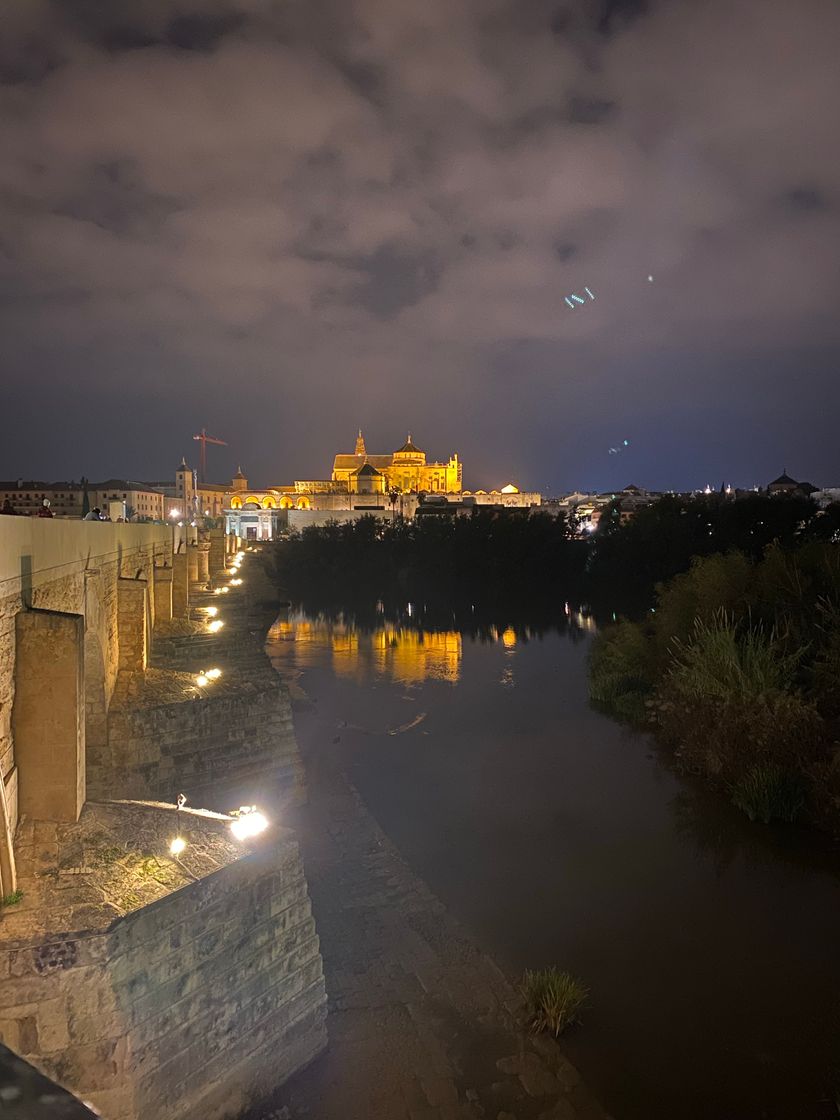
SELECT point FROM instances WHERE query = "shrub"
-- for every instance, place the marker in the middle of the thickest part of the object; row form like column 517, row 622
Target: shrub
column 552, row 1000
column 730, row 701
column 768, row 793
column 724, row 660
column 620, row 671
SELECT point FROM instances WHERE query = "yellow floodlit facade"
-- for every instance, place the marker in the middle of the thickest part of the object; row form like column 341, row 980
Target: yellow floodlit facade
column 405, row 470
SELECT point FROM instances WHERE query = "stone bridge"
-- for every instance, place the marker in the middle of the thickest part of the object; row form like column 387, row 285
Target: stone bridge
column 78, row 603
column 148, row 984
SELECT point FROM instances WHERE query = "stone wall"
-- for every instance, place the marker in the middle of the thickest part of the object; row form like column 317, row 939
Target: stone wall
column 189, row 1008
column 71, row 567
column 167, row 737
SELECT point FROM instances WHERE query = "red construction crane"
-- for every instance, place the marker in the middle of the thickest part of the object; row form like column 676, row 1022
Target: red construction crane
column 204, row 439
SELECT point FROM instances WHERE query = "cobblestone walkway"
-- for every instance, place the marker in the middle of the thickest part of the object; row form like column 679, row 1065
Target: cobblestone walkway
column 421, row 1024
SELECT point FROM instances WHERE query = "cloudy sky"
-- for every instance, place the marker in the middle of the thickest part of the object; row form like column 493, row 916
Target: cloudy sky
column 284, row 219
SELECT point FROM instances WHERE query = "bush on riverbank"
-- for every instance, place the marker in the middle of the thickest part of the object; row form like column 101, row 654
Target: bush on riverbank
column 769, row 793
column 553, row 1000
column 737, row 671
column 621, row 671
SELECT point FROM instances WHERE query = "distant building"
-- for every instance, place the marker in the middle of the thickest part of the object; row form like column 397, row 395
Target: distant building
column 784, row 484
column 141, row 500
column 827, row 496
column 189, row 499
column 384, row 485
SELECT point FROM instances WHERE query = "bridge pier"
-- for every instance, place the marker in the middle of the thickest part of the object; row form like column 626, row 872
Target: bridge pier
column 48, row 721
column 192, row 564
column 180, row 586
column 203, row 564
column 132, row 628
column 163, row 594
column 216, row 557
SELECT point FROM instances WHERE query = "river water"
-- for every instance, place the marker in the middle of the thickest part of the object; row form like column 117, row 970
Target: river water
column 711, row 946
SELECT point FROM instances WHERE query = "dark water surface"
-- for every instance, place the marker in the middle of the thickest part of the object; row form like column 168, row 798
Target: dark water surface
column 711, row 946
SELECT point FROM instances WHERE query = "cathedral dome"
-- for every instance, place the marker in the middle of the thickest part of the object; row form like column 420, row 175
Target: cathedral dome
column 408, row 448
column 408, row 454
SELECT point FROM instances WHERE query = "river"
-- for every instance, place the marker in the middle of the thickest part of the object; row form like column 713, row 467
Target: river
column 711, row 945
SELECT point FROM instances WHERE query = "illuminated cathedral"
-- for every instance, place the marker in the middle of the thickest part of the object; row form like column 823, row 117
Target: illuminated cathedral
column 361, row 483
column 404, row 470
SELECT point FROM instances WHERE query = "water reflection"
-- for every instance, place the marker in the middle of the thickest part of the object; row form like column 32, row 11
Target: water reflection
column 706, row 821
column 396, row 653
column 557, row 837
column 411, row 644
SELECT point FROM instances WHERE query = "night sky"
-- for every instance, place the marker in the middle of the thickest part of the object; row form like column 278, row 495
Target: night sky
column 286, row 220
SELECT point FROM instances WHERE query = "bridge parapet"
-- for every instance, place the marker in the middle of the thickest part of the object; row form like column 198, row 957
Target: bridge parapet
column 94, row 576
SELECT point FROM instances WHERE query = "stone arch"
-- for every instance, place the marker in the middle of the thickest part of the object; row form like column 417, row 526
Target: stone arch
column 304, row 503
column 236, row 503
column 287, row 503
column 252, row 500
column 269, row 502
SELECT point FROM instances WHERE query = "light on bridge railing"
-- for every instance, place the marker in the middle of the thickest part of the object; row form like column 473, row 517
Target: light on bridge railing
column 248, row 822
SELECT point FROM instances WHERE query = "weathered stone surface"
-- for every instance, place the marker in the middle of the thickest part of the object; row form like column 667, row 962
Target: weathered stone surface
column 419, row 1017
column 167, row 734
column 562, row 1110
column 205, row 990
column 537, row 1081
column 48, row 714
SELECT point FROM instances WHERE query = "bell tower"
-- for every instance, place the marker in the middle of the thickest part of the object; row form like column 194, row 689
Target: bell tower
column 360, row 445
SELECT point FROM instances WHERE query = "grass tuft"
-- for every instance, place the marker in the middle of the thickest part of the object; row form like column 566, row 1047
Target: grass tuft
column 11, row 899
column 768, row 793
column 552, row 999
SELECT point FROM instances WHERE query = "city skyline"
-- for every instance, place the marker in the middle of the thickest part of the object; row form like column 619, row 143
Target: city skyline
column 379, row 222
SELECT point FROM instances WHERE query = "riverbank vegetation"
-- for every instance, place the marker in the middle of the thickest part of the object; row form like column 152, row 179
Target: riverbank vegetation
column 435, row 560
column 628, row 561
column 737, row 669
column 512, row 556
column 731, row 647
column 553, row 1000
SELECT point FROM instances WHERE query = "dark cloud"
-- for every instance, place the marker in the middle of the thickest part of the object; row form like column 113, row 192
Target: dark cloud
column 291, row 219
column 615, row 15
column 590, row 110
column 112, row 196
column 394, row 281
column 805, row 198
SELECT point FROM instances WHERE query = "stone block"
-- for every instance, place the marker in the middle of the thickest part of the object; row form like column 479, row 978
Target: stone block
column 163, row 594
column 180, row 586
column 132, row 614
column 48, row 714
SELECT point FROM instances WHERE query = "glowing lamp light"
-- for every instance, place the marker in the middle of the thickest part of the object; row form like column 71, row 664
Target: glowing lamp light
column 213, row 674
column 224, row 590
column 215, row 626
column 177, row 845
column 236, row 583
column 248, row 823
column 212, row 611
column 202, row 679
column 173, row 513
